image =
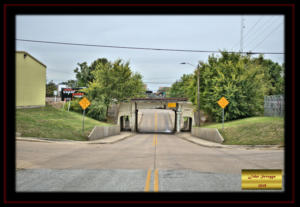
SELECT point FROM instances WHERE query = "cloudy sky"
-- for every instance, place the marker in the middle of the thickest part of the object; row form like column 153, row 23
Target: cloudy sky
column 158, row 68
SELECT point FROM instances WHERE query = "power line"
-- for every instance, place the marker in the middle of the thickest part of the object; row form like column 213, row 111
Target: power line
column 249, row 31
column 151, row 79
column 258, row 30
column 158, row 82
column 139, row 48
column 60, row 71
column 267, row 35
column 253, row 26
column 262, row 32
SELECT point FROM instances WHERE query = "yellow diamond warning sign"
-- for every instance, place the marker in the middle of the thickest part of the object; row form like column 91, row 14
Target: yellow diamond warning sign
column 84, row 103
column 223, row 102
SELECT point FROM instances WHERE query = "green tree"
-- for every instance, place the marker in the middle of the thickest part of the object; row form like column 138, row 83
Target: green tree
column 239, row 79
column 50, row 88
column 84, row 72
column 273, row 75
column 70, row 83
column 115, row 82
column 179, row 89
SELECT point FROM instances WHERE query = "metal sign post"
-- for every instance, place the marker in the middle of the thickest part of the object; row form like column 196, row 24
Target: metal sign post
column 223, row 119
column 84, row 103
column 69, row 106
column 83, row 121
column 55, row 94
column 64, row 103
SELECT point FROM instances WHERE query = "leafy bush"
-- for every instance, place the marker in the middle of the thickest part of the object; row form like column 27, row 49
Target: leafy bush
column 74, row 105
column 97, row 110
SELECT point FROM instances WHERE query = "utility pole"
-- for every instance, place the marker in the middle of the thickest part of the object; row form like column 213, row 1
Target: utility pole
column 198, row 91
column 242, row 31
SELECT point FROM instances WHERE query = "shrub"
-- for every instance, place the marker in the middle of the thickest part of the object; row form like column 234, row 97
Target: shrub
column 74, row 105
column 97, row 110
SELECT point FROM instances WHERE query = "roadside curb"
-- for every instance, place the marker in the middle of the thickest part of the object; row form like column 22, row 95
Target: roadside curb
column 111, row 142
column 53, row 140
column 217, row 145
column 198, row 143
column 33, row 139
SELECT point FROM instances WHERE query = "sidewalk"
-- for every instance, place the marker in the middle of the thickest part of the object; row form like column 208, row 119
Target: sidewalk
column 106, row 140
column 205, row 143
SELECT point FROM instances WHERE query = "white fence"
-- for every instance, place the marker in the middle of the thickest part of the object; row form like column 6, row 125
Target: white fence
column 274, row 105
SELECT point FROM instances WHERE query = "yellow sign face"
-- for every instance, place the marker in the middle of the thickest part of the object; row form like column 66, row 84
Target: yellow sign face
column 223, row 102
column 84, row 103
column 261, row 179
column 171, row 105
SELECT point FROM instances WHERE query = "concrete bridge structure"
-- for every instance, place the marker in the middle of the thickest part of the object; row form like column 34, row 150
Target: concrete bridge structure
column 128, row 113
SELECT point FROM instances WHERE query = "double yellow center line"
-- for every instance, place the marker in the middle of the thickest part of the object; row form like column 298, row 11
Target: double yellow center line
column 148, row 179
column 155, row 121
column 147, row 185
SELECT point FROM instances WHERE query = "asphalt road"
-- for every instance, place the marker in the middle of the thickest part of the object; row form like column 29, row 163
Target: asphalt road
column 144, row 162
column 156, row 120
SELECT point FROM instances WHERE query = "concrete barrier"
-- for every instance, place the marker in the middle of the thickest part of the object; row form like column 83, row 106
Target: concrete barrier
column 104, row 131
column 209, row 134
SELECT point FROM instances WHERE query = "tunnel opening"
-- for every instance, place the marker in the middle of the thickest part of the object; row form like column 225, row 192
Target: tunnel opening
column 125, row 123
column 158, row 120
column 187, row 124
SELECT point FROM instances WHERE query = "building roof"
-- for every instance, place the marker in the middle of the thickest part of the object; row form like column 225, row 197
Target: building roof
column 32, row 58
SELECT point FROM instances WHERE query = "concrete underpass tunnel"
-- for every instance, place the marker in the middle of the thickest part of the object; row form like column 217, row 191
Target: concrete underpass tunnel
column 156, row 120
column 125, row 123
column 186, row 124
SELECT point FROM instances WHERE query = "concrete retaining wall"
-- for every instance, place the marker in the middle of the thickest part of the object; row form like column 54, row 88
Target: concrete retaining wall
column 209, row 134
column 104, row 131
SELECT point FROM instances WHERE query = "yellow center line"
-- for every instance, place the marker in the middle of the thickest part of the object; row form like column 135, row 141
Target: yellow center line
column 155, row 121
column 147, row 185
column 154, row 140
column 156, row 180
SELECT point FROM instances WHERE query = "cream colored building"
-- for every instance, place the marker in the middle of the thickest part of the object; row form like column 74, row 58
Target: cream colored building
column 30, row 81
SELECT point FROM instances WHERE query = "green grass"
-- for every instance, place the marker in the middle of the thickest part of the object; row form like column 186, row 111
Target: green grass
column 252, row 131
column 49, row 122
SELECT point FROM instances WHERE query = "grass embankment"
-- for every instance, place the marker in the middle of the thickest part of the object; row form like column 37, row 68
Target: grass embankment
column 49, row 122
column 252, row 131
